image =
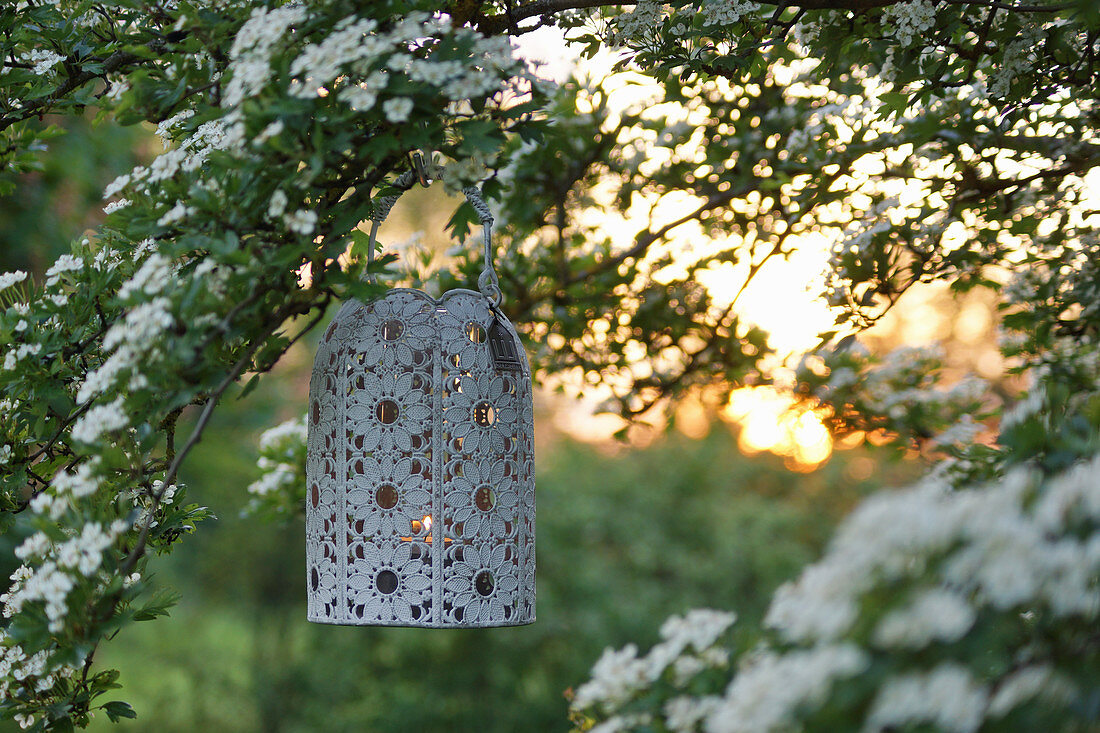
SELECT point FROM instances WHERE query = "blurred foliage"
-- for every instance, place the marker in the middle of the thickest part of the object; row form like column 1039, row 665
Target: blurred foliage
column 50, row 206
column 626, row 537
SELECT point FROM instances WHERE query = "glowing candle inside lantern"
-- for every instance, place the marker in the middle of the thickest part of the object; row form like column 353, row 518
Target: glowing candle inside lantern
column 423, row 525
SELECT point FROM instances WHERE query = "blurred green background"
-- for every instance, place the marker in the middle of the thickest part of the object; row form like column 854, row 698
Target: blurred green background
column 626, row 537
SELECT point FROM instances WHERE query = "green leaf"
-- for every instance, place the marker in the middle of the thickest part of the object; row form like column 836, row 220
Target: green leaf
column 116, row 710
column 895, row 102
column 158, row 606
column 63, row 724
column 249, row 386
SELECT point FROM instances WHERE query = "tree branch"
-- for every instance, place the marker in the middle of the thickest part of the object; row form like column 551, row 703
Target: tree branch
column 647, row 238
column 504, row 22
column 496, row 24
column 196, row 433
column 34, row 107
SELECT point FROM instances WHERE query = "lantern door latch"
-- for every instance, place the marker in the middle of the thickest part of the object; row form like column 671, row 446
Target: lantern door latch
column 502, row 346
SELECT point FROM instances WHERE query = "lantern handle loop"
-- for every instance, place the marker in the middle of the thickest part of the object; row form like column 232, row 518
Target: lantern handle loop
column 487, row 282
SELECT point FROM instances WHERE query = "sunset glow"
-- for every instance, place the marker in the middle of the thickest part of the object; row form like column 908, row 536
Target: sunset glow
column 771, row 421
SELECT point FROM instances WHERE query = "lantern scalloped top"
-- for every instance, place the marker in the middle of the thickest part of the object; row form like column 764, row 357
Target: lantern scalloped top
column 420, row 506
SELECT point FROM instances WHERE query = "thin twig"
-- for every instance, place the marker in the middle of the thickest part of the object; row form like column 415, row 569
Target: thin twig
column 196, row 434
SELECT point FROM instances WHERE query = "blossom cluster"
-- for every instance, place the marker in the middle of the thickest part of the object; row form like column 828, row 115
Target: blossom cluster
column 130, row 342
column 8, row 279
column 23, row 674
column 953, row 560
column 911, row 19
column 59, row 564
column 189, row 155
column 899, row 393
column 688, row 646
column 386, row 71
column 77, row 519
column 282, row 461
column 43, row 61
column 723, row 12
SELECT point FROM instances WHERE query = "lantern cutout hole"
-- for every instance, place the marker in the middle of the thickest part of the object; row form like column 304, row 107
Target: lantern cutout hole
column 484, row 414
column 484, row 584
column 386, row 582
column 386, row 496
column 475, row 333
column 392, row 330
column 387, row 412
column 485, row 498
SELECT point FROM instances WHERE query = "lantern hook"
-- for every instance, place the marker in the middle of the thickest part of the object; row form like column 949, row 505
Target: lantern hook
column 421, row 170
column 423, row 173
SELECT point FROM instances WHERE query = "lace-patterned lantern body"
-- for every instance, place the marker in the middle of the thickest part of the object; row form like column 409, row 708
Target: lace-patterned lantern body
column 421, row 495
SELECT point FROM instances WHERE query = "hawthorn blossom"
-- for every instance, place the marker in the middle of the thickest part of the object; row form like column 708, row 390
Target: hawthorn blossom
column 8, row 279
column 99, row 420
column 948, row 697
column 301, row 221
column 397, row 109
column 43, row 60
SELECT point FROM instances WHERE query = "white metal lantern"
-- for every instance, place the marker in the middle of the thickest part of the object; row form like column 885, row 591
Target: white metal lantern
column 420, row 507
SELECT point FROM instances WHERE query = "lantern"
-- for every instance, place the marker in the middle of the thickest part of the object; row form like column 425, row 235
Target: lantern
column 420, row 507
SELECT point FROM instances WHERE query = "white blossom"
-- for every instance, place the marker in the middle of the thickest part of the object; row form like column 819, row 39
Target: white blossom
column 34, row 546
column 152, row 277
column 226, row 133
column 283, row 436
column 117, row 89
column 683, row 714
column 116, row 185
column 727, row 12
column 770, row 688
column 962, row 432
column 947, row 697
column 642, row 20
column 176, row 213
column 397, row 109
column 911, row 19
column 85, row 551
column 301, row 221
column 42, row 59
column 1027, row 684
column 935, row 615
column 616, row 676
column 698, row 628
column 272, row 130
column 48, row 505
column 99, row 420
column 7, row 279
column 250, row 66
column 320, row 63
column 276, row 476
column 19, row 353
column 83, row 482
column 133, row 339
column 167, row 127
column 63, row 264
column 276, row 206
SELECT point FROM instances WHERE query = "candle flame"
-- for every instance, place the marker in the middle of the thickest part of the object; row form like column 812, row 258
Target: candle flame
column 427, row 522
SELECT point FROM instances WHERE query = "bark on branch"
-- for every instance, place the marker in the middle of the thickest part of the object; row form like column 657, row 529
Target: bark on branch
column 506, row 22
